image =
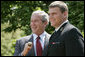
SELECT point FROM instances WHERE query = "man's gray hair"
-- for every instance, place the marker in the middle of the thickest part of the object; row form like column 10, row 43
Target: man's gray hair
column 43, row 14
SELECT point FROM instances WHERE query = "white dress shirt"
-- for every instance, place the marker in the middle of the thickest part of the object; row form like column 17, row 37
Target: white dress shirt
column 42, row 39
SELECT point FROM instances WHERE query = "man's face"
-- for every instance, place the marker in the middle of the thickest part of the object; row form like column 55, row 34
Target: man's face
column 36, row 24
column 56, row 16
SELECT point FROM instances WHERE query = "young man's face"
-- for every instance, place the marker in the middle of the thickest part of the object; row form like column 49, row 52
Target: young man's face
column 36, row 24
column 56, row 17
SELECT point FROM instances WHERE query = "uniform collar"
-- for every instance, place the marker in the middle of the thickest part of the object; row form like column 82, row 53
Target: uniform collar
column 61, row 25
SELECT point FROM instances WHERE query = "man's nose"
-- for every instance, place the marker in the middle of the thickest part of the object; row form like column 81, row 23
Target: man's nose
column 32, row 23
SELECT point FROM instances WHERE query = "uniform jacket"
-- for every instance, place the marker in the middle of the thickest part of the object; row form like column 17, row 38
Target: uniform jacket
column 67, row 41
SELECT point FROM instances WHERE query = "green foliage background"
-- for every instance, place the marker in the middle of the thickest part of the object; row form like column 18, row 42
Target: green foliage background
column 15, row 20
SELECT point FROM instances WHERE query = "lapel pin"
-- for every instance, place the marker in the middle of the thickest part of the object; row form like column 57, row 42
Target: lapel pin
column 53, row 42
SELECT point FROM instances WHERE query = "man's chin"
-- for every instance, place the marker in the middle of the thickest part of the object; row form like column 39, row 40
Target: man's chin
column 52, row 25
column 34, row 31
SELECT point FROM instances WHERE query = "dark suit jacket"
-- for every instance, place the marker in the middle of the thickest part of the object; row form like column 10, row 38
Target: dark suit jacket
column 20, row 43
column 67, row 41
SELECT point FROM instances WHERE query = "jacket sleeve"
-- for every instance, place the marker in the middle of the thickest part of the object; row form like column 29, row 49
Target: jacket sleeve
column 74, row 43
column 17, row 49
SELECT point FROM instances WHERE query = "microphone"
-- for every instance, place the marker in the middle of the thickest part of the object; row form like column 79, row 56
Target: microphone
column 30, row 44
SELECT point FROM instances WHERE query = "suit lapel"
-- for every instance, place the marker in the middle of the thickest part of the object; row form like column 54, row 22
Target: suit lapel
column 45, row 44
column 32, row 52
column 56, row 34
column 46, row 41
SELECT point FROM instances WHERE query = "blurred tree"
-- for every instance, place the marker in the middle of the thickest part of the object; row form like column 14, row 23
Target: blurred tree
column 18, row 14
column 76, row 13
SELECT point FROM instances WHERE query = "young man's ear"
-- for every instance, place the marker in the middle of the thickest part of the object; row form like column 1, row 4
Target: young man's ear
column 65, row 14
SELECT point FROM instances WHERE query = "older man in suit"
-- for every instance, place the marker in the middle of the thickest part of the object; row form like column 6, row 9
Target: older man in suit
column 67, row 39
column 38, row 39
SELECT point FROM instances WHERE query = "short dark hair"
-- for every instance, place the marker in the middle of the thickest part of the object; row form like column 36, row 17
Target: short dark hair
column 63, row 7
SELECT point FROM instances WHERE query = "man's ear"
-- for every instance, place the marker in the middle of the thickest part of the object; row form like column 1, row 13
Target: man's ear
column 45, row 24
column 65, row 14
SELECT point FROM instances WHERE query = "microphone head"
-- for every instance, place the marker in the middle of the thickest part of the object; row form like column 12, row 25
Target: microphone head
column 29, row 43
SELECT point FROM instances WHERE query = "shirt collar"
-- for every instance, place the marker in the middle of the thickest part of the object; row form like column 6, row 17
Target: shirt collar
column 61, row 25
column 41, row 36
